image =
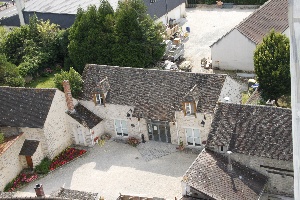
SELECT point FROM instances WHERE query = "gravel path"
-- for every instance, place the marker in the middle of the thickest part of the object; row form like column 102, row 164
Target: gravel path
column 119, row 168
column 207, row 25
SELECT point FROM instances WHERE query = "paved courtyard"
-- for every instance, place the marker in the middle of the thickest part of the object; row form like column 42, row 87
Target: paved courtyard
column 119, row 168
column 207, row 25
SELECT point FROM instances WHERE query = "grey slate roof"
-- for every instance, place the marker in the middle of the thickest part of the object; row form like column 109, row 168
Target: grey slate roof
column 253, row 130
column 209, row 175
column 24, row 107
column 29, row 147
column 272, row 15
column 84, row 116
column 154, row 93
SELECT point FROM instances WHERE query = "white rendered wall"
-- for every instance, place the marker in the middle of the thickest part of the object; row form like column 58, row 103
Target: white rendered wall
column 177, row 13
column 233, row 52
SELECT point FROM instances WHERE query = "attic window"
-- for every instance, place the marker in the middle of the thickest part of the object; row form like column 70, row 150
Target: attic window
column 222, row 149
column 99, row 99
column 189, row 108
column 152, row 1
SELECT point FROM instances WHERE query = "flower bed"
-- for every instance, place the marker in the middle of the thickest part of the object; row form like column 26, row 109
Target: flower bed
column 20, row 180
column 64, row 157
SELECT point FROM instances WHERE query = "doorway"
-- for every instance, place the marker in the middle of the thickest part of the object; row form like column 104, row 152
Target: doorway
column 29, row 162
column 159, row 131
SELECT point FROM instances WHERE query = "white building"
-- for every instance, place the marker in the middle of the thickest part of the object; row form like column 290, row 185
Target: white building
column 235, row 50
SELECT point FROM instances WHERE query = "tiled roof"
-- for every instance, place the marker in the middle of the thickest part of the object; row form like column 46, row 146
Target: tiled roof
column 272, row 15
column 84, row 116
column 154, row 93
column 209, row 175
column 29, row 147
column 24, row 107
column 8, row 142
column 63, row 193
column 253, row 130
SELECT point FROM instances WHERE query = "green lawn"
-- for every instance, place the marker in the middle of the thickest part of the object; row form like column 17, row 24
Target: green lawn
column 42, row 82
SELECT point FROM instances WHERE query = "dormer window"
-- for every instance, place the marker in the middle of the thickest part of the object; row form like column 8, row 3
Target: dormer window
column 99, row 99
column 222, row 149
column 189, row 108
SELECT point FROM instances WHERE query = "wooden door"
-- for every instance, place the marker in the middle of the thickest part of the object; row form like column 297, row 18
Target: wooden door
column 29, row 162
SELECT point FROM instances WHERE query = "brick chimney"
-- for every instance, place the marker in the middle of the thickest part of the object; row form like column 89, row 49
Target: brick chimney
column 69, row 99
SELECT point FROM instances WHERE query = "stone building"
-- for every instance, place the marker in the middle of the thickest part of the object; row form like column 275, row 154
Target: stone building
column 34, row 124
column 159, row 105
column 256, row 137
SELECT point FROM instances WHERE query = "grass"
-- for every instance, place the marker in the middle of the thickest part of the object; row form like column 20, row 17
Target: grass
column 42, row 82
column 245, row 97
column 1, row 3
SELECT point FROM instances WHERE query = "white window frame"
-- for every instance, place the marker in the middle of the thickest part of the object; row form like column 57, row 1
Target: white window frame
column 123, row 132
column 189, row 109
column 99, row 99
column 193, row 137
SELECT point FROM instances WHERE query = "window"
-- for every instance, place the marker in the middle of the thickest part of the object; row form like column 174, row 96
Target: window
column 193, row 137
column 121, row 127
column 190, row 108
column 99, row 99
column 222, row 149
column 153, row 1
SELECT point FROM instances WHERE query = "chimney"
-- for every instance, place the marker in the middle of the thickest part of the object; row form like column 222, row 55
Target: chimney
column 229, row 166
column 20, row 8
column 68, row 95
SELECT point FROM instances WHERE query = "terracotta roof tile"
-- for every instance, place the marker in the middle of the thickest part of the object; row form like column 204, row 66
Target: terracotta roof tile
column 8, row 142
column 154, row 93
column 272, row 15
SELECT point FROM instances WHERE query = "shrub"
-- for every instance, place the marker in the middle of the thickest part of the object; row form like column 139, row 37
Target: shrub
column 8, row 186
column 74, row 79
column 133, row 141
column 1, row 138
column 43, row 167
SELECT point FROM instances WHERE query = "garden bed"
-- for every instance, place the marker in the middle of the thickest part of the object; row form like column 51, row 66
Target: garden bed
column 45, row 167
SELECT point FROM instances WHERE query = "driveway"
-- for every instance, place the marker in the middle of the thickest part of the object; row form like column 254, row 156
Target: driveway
column 207, row 25
column 119, row 168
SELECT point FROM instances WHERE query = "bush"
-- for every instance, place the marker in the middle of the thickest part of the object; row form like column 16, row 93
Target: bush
column 1, row 138
column 74, row 79
column 43, row 167
column 133, row 141
column 8, row 186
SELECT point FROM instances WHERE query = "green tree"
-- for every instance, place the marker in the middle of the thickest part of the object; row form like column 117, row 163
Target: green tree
column 3, row 34
column 272, row 66
column 91, row 36
column 139, row 40
column 74, row 78
column 9, row 74
column 128, row 37
column 35, row 44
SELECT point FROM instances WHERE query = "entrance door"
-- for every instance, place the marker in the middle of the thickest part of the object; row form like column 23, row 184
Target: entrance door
column 80, row 136
column 159, row 131
column 29, row 162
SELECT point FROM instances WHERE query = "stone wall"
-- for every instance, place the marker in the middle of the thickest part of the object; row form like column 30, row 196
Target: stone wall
column 58, row 136
column 36, row 134
column 191, row 121
column 38, row 156
column 10, row 165
column 280, row 172
column 110, row 112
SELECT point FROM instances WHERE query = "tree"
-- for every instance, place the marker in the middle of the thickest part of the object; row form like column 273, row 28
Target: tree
column 139, row 40
column 35, row 44
column 128, row 37
column 272, row 66
column 74, row 78
column 3, row 34
column 91, row 36
column 9, row 74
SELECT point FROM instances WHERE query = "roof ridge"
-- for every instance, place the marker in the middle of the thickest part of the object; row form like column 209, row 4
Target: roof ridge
column 250, row 105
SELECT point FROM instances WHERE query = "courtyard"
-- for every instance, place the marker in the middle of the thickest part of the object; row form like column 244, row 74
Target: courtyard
column 116, row 168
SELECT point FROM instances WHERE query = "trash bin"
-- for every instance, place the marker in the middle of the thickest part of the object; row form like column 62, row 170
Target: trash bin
column 39, row 190
column 188, row 29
